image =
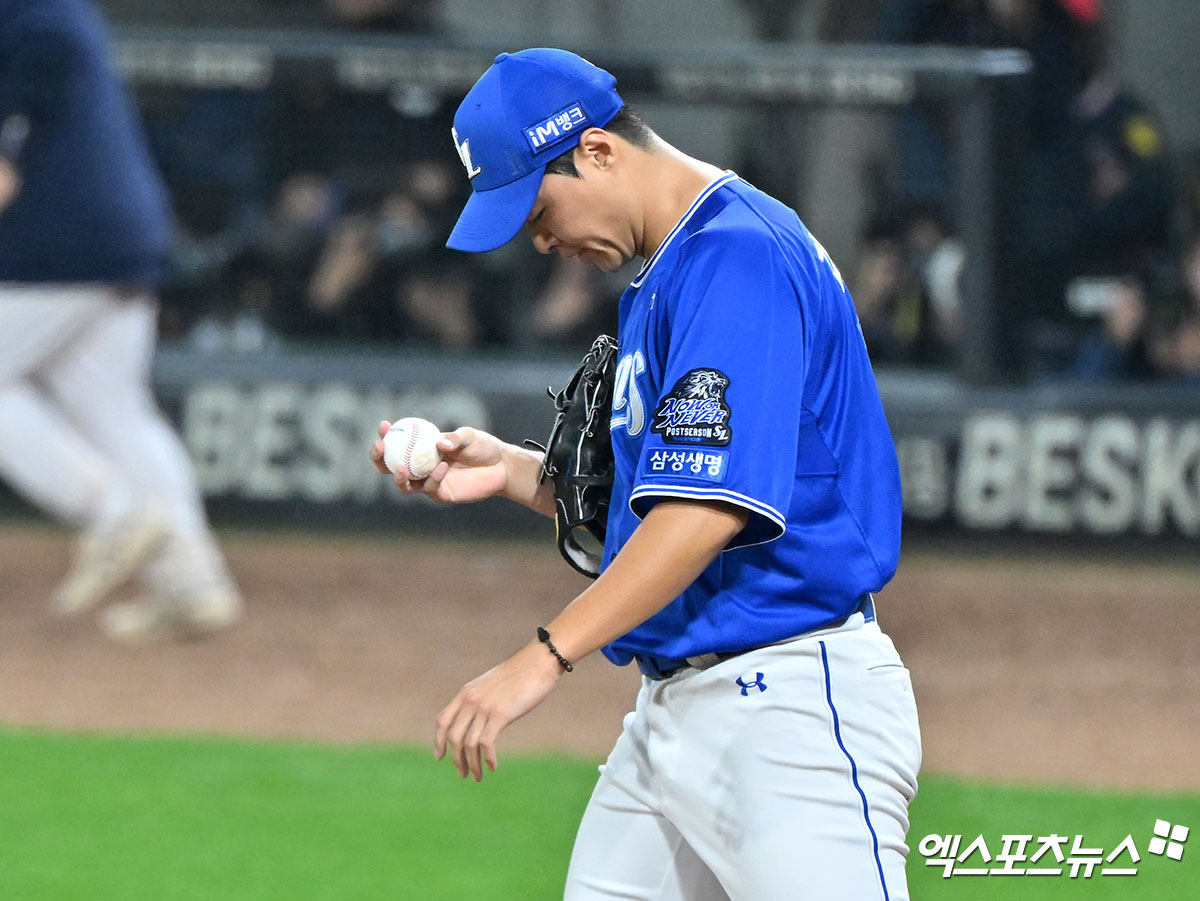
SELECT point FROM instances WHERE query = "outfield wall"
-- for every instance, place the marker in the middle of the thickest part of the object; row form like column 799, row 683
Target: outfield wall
column 285, row 434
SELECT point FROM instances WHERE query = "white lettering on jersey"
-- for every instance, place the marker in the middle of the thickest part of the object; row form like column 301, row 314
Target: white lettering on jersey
column 464, row 154
column 628, row 409
column 825, row 257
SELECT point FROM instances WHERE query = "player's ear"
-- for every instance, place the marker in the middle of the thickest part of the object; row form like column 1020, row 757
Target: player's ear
column 598, row 149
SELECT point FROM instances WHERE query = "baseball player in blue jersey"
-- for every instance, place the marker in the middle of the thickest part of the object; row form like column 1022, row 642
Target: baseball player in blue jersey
column 84, row 230
column 774, row 747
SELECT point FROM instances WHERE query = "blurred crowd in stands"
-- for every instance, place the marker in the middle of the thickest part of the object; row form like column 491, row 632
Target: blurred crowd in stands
column 305, row 211
column 1108, row 219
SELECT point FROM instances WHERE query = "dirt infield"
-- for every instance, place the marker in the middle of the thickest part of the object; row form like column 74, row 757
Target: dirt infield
column 1064, row 672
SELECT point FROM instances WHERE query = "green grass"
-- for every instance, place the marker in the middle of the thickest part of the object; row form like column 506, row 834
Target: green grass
column 92, row 817
column 97, row 818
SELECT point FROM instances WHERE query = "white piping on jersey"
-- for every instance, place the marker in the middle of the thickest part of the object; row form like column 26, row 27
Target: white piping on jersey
column 740, row 500
column 729, row 176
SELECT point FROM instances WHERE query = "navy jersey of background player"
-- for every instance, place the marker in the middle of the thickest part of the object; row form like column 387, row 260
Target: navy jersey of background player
column 91, row 207
column 743, row 377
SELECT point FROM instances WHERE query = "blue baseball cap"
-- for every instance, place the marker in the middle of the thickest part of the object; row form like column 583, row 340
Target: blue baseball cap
column 525, row 110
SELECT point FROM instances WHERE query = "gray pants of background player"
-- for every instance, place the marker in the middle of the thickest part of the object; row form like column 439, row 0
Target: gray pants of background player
column 80, row 433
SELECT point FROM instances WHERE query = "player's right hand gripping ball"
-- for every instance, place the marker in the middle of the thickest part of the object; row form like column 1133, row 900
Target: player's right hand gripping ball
column 412, row 443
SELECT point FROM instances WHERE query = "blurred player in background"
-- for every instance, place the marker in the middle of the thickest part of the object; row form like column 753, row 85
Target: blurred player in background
column 84, row 230
column 774, row 748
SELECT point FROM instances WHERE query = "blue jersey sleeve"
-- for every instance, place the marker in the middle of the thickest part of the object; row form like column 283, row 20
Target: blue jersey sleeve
column 731, row 343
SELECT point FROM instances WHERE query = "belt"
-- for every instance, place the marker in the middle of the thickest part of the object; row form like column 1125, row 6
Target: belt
column 658, row 668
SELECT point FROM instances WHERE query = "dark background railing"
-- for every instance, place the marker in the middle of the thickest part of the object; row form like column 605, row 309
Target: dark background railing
column 980, row 90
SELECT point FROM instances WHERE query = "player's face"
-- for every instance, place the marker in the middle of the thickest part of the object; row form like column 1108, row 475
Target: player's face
column 581, row 219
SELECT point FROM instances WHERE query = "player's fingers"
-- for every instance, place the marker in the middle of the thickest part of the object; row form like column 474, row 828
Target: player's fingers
column 453, row 750
column 487, row 744
column 471, row 749
column 376, row 455
column 459, row 753
column 433, row 481
column 456, row 740
column 384, row 427
column 444, row 721
column 406, row 483
column 462, row 443
column 452, row 442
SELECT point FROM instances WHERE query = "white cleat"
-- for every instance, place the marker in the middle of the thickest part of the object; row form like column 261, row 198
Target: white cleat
column 159, row 617
column 105, row 558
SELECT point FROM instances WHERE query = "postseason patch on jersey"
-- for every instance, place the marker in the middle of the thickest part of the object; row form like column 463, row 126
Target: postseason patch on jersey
column 695, row 411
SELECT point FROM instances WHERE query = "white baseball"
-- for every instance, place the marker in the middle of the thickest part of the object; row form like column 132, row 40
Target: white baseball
column 412, row 442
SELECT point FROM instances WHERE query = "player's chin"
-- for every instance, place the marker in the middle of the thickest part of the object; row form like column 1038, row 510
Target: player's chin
column 605, row 261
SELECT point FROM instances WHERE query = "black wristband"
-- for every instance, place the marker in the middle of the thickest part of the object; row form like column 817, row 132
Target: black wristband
column 544, row 638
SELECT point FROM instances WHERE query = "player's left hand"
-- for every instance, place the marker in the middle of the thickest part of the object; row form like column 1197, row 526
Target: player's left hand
column 470, row 724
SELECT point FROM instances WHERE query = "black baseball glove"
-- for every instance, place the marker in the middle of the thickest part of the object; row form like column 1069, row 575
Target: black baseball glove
column 579, row 457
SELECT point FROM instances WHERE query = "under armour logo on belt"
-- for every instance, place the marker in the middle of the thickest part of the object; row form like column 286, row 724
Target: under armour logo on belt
column 757, row 683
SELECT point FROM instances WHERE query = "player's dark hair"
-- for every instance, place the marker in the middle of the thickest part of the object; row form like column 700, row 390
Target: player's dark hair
column 627, row 124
